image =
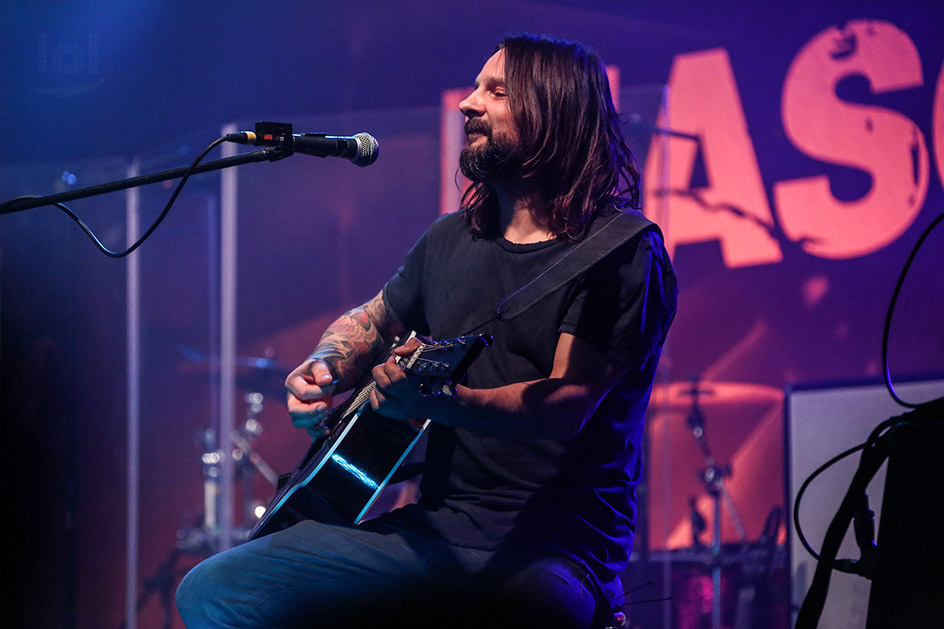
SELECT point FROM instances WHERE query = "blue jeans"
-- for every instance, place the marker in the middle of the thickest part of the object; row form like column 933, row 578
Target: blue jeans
column 320, row 575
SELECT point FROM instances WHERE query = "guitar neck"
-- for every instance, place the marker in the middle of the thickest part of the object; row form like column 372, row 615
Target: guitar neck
column 362, row 395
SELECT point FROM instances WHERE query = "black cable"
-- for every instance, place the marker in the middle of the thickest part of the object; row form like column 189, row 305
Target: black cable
column 891, row 308
column 873, row 455
column 873, row 441
column 150, row 230
column 868, row 443
column 854, row 504
column 799, row 497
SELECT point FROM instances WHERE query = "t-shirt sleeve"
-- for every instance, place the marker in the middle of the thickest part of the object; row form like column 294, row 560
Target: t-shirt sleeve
column 403, row 293
column 624, row 304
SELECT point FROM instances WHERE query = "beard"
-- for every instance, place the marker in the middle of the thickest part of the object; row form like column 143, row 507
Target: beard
column 496, row 158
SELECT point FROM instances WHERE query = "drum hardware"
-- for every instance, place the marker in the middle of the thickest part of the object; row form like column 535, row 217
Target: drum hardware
column 203, row 538
column 712, row 475
column 752, row 573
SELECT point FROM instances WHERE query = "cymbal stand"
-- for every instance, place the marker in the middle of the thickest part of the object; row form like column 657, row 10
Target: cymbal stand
column 203, row 538
column 248, row 460
column 713, row 476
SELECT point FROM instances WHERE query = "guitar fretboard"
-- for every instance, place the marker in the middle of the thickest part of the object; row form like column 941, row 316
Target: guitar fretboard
column 362, row 396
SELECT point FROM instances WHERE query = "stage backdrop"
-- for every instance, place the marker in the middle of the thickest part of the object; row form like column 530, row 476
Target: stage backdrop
column 816, row 161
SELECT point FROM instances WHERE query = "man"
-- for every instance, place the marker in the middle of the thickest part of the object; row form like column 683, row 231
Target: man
column 527, row 510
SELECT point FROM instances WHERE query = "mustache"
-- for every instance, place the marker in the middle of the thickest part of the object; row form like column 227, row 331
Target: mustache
column 477, row 125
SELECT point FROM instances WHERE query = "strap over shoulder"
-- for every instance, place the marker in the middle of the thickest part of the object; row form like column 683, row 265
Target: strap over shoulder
column 605, row 235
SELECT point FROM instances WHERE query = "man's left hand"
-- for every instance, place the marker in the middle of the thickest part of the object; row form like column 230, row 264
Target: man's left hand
column 399, row 396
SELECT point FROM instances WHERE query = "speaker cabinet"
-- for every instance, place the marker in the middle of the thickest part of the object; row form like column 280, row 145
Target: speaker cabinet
column 908, row 586
column 822, row 421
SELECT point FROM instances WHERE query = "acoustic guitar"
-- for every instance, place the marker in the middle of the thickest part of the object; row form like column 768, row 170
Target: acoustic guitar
column 341, row 475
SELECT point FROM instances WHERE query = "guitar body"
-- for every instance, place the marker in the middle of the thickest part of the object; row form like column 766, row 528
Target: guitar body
column 341, row 476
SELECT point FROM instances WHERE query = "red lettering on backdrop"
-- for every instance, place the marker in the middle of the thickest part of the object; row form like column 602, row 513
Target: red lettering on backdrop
column 881, row 142
column 733, row 209
column 938, row 124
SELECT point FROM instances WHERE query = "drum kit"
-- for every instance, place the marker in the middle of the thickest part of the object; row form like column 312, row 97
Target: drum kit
column 730, row 585
column 256, row 377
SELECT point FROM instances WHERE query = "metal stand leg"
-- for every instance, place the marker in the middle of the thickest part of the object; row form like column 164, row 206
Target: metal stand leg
column 713, row 476
column 203, row 539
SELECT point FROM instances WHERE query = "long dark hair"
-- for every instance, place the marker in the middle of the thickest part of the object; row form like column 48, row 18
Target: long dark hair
column 570, row 141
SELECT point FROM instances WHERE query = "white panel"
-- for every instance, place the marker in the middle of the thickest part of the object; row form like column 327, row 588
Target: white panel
column 821, row 423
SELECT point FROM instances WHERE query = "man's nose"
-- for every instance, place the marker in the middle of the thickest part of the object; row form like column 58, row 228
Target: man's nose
column 471, row 106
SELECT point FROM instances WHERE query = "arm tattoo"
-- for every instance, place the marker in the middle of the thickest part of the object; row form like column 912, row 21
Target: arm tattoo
column 352, row 344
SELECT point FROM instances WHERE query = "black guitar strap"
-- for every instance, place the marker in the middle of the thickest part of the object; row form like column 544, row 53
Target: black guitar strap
column 605, row 235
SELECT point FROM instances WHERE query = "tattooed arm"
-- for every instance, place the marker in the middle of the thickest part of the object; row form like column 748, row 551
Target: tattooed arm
column 351, row 345
column 347, row 350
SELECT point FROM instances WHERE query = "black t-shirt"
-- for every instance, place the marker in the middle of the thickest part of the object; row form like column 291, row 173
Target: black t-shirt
column 575, row 497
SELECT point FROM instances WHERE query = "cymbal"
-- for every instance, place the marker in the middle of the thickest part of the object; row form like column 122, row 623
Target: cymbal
column 264, row 375
column 681, row 395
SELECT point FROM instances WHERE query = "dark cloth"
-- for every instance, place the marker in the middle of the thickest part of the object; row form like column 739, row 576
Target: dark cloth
column 577, row 497
column 378, row 574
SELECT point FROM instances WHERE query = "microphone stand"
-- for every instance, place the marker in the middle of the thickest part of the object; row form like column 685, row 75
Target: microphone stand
column 638, row 121
column 19, row 204
column 162, row 580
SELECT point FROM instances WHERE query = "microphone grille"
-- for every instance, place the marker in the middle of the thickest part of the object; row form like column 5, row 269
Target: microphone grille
column 368, row 148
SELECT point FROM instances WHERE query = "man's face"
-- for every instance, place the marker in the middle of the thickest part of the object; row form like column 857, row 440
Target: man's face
column 489, row 126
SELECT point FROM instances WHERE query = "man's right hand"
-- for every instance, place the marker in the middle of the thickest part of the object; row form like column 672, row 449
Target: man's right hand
column 310, row 388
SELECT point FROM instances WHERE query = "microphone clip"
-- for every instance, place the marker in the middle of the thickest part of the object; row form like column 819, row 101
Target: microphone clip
column 266, row 134
column 277, row 135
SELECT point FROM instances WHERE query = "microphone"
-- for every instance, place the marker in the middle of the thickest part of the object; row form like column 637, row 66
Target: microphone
column 361, row 149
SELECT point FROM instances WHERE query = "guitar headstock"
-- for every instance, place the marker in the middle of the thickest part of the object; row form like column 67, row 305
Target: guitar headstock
column 442, row 364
